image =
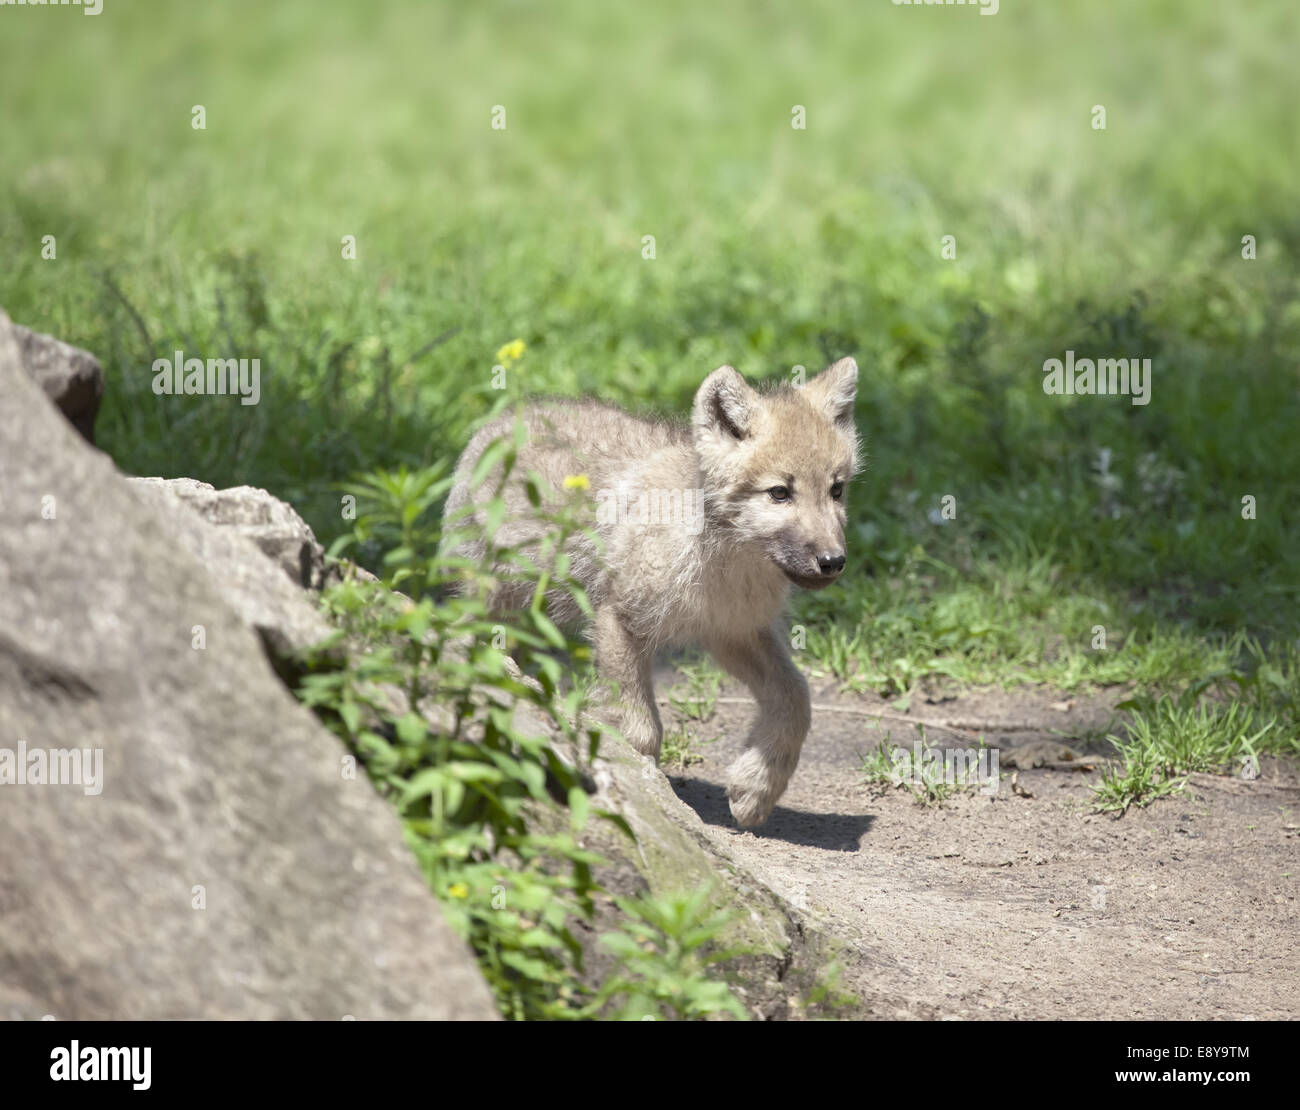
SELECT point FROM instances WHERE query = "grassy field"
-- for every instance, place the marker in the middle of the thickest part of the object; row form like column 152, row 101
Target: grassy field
column 774, row 246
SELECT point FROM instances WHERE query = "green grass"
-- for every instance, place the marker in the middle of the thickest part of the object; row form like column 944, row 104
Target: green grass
column 1001, row 621
column 695, row 697
column 680, row 748
column 1137, row 780
column 930, row 783
column 695, row 694
column 1170, row 738
column 774, row 247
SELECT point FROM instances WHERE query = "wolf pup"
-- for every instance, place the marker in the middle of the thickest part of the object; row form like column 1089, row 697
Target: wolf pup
column 704, row 529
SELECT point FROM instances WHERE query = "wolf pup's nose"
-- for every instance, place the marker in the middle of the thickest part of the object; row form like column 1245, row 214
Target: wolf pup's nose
column 830, row 564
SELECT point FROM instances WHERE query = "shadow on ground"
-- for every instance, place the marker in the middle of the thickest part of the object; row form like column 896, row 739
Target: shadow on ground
column 835, row 832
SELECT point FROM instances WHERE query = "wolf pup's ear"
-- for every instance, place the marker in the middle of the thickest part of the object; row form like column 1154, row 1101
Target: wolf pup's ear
column 834, row 391
column 725, row 406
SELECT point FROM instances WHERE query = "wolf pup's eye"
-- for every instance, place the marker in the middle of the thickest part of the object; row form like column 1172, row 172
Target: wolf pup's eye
column 779, row 493
column 837, row 491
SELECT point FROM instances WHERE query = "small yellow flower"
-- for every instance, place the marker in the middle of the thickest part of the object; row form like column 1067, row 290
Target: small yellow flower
column 511, row 352
column 458, row 890
column 577, row 481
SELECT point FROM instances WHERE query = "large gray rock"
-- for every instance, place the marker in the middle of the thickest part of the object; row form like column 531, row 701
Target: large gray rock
column 72, row 378
column 259, row 551
column 256, row 516
column 228, row 868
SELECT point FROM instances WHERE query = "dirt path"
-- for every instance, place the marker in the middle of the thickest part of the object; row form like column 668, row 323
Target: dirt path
column 1024, row 907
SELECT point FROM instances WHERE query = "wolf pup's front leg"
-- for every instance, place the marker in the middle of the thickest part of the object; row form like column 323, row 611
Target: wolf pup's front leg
column 758, row 777
column 623, row 659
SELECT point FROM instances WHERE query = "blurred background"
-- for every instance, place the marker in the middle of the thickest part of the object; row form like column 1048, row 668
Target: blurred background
column 774, row 246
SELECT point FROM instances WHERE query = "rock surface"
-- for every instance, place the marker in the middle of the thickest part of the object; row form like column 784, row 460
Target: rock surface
column 254, row 514
column 227, row 868
column 72, row 378
column 259, row 551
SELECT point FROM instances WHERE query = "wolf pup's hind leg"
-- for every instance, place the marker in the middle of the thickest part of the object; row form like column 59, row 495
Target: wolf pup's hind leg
column 623, row 659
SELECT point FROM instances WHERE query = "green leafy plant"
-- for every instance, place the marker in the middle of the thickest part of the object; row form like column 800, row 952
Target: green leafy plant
column 664, row 953
column 827, row 994
column 432, row 705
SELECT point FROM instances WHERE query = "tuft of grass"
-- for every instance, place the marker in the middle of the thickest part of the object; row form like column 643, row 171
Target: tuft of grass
column 1138, row 780
column 892, row 766
column 1169, row 739
column 679, row 748
column 827, row 994
column 695, row 694
column 878, row 768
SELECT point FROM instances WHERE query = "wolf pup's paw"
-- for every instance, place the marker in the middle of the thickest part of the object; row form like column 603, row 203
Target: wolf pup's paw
column 753, row 787
column 643, row 734
column 646, row 743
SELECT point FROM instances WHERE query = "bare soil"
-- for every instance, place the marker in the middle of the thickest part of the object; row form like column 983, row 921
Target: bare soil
column 1021, row 905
